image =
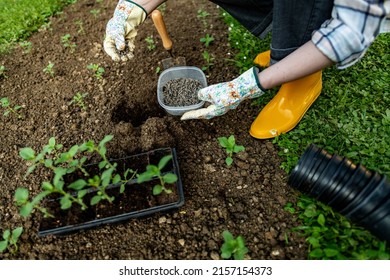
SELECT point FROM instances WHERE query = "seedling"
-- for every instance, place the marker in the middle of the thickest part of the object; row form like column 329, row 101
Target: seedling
column 158, row 69
column 67, row 43
column 231, row 147
column 70, row 162
column 4, row 102
column 97, row 70
column 2, row 71
column 26, row 46
column 155, row 171
column 207, row 40
column 209, row 61
column 95, row 12
column 151, row 45
column 79, row 23
column 10, row 240
column 233, row 246
column 78, row 100
column 202, row 16
column 49, row 69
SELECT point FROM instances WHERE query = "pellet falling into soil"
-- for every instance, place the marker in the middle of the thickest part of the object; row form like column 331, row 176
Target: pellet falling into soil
column 181, row 92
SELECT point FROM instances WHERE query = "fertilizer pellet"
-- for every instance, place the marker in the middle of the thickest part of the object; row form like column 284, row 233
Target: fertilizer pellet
column 181, row 92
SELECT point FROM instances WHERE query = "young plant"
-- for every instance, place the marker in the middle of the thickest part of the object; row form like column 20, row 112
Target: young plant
column 67, row 43
column 79, row 23
column 2, row 71
column 233, row 246
column 231, row 147
column 98, row 71
column 95, row 12
column 78, row 100
column 209, row 61
column 4, row 102
column 202, row 16
column 10, row 239
column 207, row 40
column 155, row 171
column 49, row 69
column 69, row 162
column 151, row 45
column 26, row 46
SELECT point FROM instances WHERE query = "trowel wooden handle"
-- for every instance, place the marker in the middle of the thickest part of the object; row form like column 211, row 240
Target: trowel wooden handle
column 161, row 29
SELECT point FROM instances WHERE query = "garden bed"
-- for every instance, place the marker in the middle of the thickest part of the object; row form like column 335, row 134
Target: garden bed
column 246, row 198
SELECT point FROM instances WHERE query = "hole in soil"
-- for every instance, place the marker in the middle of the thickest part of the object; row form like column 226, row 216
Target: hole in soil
column 136, row 114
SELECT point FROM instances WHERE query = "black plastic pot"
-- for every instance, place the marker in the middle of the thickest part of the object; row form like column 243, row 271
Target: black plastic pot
column 359, row 194
column 125, row 206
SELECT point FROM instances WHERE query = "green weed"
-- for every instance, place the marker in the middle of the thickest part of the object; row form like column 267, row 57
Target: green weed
column 207, row 40
column 233, row 247
column 10, row 240
column 231, row 147
column 156, row 171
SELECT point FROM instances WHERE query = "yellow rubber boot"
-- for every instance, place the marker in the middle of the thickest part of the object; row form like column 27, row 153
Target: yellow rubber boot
column 288, row 107
column 263, row 59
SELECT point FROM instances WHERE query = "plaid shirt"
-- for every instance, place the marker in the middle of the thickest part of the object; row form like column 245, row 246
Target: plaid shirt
column 353, row 27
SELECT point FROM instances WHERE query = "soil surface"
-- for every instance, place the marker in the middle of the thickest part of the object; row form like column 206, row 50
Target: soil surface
column 246, row 198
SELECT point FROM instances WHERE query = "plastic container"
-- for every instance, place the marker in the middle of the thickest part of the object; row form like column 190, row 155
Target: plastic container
column 134, row 202
column 174, row 73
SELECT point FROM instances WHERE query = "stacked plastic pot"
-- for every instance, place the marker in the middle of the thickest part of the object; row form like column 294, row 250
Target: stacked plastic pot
column 359, row 194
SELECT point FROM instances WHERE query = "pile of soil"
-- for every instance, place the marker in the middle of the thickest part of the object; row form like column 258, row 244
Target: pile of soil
column 246, row 198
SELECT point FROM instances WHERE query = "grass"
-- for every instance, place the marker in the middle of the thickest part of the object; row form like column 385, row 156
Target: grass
column 20, row 18
column 351, row 118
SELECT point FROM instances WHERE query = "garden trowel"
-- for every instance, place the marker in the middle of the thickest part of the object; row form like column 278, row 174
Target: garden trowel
column 167, row 42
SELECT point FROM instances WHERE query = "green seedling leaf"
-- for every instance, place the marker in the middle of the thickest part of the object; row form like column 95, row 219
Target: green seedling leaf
column 229, row 161
column 78, row 184
column 16, row 233
column 223, row 142
column 316, row 253
column 59, row 173
column 25, row 210
column 6, row 234
column 96, row 199
column 82, row 193
column 163, row 162
column 47, row 186
column 106, row 139
column 157, row 189
column 321, row 219
column 238, row 149
column 170, row 178
column 3, row 245
column 331, row 252
column 21, row 195
column 27, row 153
column 65, row 202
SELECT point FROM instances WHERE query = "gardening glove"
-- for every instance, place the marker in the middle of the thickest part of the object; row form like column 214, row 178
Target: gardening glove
column 120, row 30
column 226, row 96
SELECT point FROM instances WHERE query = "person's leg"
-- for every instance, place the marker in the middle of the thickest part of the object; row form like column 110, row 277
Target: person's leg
column 256, row 16
column 293, row 23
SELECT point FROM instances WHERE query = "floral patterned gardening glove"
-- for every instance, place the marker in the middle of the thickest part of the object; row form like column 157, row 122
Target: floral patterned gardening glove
column 226, row 96
column 120, row 30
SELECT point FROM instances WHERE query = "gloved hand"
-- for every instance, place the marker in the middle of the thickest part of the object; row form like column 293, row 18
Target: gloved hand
column 120, row 30
column 226, row 96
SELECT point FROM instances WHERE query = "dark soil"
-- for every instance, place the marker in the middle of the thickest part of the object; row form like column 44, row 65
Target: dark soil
column 181, row 92
column 246, row 198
